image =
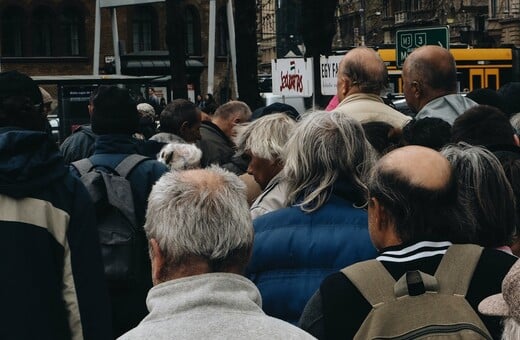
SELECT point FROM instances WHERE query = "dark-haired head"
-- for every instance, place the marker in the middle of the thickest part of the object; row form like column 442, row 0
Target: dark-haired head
column 115, row 112
column 483, row 125
column 182, row 118
column 21, row 102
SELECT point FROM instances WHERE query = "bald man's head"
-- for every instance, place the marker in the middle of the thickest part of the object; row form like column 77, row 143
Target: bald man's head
column 361, row 71
column 420, row 166
column 415, row 186
column 434, row 66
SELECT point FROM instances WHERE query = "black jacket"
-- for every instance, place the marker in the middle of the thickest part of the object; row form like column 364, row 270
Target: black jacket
column 338, row 309
column 53, row 285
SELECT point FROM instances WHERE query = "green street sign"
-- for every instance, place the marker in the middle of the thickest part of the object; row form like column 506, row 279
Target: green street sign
column 408, row 40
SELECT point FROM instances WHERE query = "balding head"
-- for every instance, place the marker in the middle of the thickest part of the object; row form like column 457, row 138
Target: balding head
column 420, row 166
column 415, row 186
column 361, row 71
column 429, row 72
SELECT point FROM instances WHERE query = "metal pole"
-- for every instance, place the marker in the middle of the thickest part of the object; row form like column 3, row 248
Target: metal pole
column 211, row 45
column 232, row 45
column 115, row 40
column 362, row 22
column 97, row 38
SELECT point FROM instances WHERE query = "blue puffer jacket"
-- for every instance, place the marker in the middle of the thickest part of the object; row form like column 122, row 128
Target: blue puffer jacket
column 294, row 251
column 129, row 305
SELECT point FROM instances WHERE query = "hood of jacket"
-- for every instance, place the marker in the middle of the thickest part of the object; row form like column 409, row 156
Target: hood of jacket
column 29, row 161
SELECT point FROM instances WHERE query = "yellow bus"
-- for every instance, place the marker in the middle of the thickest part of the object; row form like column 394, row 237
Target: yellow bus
column 476, row 67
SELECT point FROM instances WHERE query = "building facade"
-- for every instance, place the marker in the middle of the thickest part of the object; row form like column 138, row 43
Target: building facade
column 472, row 23
column 54, row 37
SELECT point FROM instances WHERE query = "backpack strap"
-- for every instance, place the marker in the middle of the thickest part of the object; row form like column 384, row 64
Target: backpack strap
column 456, row 268
column 83, row 166
column 372, row 280
column 128, row 163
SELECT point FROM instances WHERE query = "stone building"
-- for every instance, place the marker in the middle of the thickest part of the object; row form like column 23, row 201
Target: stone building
column 54, row 37
column 474, row 23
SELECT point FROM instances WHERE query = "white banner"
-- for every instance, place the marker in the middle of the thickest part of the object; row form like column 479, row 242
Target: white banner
column 292, row 77
column 329, row 68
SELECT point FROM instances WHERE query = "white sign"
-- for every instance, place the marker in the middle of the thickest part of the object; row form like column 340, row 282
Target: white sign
column 292, row 77
column 329, row 68
column 117, row 3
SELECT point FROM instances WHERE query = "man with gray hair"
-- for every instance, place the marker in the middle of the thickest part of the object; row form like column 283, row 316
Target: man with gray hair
column 362, row 77
column 200, row 239
column 261, row 143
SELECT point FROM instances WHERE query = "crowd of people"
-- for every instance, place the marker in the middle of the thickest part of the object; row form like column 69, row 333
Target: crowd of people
column 268, row 223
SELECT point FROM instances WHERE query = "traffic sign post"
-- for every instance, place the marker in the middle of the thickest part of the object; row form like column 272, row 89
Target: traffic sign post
column 408, row 40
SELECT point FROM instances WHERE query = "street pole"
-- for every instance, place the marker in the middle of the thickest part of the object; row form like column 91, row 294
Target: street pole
column 362, row 22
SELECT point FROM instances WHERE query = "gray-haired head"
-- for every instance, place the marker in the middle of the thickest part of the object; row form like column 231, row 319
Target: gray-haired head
column 326, row 147
column 201, row 213
column 485, row 200
column 265, row 137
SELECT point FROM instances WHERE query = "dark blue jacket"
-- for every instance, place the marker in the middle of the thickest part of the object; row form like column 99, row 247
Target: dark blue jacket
column 129, row 305
column 53, row 284
column 294, row 251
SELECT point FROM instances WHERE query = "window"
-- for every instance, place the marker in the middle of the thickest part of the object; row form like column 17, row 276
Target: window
column 222, row 34
column 142, row 28
column 192, row 31
column 12, row 32
column 42, row 32
column 72, row 30
column 493, row 9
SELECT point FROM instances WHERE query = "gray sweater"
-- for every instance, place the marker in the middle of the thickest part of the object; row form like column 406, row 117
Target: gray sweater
column 210, row 306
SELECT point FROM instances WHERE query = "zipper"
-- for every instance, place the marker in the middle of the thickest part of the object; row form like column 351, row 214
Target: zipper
column 433, row 329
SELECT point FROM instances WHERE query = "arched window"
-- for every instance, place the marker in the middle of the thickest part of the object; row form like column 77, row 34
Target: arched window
column 142, row 28
column 42, row 42
column 12, row 32
column 222, row 34
column 192, row 31
column 72, row 30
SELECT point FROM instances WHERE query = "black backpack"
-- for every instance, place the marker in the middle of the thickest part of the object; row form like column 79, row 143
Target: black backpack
column 122, row 241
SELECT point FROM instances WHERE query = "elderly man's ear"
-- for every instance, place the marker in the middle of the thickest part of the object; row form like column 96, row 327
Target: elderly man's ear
column 158, row 261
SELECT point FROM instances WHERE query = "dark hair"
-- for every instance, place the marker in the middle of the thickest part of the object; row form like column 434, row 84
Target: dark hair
column 487, row 97
column 176, row 113
column 115, row 112
column 510, row 93
column 431, row 132
column 382, row 136
column 21, row 102
column 419, row 213
column 483, row 125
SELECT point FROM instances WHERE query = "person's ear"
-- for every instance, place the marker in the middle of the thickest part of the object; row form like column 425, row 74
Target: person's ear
column 516, row 139
column 416, row 89
column 158, row 261
column 381, row 217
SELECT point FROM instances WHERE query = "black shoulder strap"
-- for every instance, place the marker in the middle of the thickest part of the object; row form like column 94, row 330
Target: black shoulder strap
column 83, row 166
column 128, row 163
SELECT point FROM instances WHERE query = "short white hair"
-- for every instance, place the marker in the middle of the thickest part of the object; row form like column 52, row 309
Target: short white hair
column 180, row 156
column 266, row 136
column 201, row 213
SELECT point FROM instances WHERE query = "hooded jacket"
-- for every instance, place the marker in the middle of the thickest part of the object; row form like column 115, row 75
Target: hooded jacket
column 54, row 285
column 447, row 107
